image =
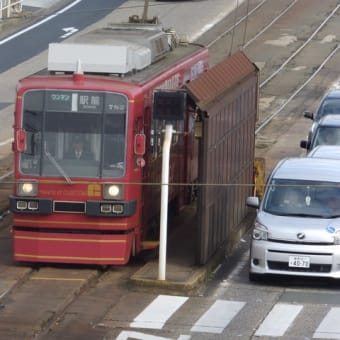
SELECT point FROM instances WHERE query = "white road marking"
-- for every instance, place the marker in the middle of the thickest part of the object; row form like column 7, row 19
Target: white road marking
column 218, row 316
column 278, row 320
column 329, row 327
column 125, row 335
column 69, row 31
column 156, row 314
column 29, row 28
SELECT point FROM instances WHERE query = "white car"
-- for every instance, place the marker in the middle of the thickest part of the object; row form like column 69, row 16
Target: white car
column 325, row 151
column 297, row 227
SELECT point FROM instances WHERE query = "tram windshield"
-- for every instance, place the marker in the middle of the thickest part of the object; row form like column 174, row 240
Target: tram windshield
column 74, row 134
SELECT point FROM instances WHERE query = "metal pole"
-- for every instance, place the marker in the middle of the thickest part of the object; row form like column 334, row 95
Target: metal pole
column 145, row 12
column 164, row 202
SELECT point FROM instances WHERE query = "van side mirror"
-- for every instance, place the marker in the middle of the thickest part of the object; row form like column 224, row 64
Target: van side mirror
column 304, row 144
column 253, row 202
column 139, row 147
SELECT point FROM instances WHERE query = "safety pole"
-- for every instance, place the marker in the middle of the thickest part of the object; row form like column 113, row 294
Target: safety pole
column 164, row 202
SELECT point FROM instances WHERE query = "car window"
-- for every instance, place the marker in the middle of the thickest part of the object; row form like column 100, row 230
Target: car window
column 305, row 198
column 329, row 106
column 326, row 136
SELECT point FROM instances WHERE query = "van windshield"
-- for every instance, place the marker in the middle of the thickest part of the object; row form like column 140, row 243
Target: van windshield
column 302, row 198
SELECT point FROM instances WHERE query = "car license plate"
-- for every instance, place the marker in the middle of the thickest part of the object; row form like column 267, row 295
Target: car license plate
column 299, row 261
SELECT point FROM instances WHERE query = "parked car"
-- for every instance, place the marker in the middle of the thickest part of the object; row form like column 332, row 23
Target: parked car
column 297, row 227
column 325, row 151
column 326, row 132
column 329, row 104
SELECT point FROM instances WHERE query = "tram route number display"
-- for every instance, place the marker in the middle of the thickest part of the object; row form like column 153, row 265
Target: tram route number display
column 93, row 102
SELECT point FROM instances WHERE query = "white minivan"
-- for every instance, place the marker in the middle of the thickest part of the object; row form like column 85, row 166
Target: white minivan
column 297, row 227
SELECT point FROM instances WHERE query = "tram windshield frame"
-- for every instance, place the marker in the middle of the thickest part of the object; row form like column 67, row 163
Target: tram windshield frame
column 55, row 121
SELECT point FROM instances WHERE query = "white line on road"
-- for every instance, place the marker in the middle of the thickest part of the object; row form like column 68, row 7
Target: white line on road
column 218, row 316
column 329, row 328
column 156, row 314
column 126, row 335
column 278, row 320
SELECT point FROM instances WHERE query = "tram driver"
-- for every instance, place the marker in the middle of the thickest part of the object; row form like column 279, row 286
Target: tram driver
column 78, row 151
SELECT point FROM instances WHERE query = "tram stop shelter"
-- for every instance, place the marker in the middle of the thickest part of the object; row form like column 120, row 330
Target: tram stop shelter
column 226, row 101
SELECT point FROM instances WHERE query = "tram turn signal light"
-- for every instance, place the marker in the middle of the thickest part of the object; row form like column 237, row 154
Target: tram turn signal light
column 27, row 205
column 107, row 208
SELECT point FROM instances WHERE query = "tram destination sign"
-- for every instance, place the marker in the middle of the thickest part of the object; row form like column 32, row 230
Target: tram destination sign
column 68, row 101
column 169, row 105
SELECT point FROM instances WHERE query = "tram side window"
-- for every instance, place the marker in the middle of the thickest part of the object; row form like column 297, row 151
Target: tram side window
column 114, row 140
column 32, row 120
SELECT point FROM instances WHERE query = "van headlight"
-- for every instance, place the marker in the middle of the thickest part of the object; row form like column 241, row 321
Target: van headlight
column 260, row 232
column 113, row 191
column 27, row 188
column 337, row 237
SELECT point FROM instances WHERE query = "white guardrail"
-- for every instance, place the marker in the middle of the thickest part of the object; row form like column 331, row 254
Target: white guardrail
column 7, row 7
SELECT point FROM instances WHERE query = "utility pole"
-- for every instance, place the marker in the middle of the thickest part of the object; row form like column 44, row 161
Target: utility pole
column 136, row 19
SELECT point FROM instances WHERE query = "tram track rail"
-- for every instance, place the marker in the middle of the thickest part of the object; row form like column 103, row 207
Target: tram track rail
column 265, row 121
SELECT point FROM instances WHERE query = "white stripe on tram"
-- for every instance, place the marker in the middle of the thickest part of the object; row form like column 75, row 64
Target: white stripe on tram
column 218, row 316
column 329, row 327
column 278, row 320
column 155, row 315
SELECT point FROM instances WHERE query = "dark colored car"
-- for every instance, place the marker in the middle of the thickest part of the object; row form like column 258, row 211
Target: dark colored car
column 326, row 131
column 330, row 104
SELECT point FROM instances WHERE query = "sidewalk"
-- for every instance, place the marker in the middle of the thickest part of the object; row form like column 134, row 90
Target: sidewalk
column 182, row 272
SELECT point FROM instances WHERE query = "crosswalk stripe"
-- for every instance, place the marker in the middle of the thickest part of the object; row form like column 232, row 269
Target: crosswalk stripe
column 155, row 315
column 329, row 327
column 218, row 316
column 278, row 320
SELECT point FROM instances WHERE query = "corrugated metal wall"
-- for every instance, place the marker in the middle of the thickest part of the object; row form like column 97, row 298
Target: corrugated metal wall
column 227, row 147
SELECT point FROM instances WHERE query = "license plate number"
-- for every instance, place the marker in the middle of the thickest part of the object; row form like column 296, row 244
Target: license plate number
column 299, row 261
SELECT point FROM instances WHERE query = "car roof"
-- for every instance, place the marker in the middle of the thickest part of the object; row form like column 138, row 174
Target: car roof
column 308, row 168
column 330, row 120
column 333, row 93
column 325, row 151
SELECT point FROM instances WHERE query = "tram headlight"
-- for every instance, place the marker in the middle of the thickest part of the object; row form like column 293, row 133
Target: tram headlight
column 113, row 191
column 27, row 189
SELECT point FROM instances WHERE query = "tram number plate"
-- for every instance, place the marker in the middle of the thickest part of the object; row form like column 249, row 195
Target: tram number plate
column 299, row 261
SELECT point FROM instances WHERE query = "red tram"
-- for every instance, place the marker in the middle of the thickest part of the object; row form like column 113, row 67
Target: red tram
column 98, row 209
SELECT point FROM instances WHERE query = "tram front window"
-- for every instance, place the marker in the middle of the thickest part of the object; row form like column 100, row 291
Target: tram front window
column 75, row 144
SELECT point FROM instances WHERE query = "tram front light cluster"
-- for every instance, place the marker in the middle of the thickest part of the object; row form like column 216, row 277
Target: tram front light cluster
column 27, row 189
column 27, row 205
column 113, row 191
column 107, row 208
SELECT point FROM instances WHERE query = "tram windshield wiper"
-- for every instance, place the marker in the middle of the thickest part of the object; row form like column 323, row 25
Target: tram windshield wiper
column 58, row 167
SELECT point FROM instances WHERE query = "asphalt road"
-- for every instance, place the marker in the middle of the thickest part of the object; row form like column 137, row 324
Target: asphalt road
column 55, row 27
